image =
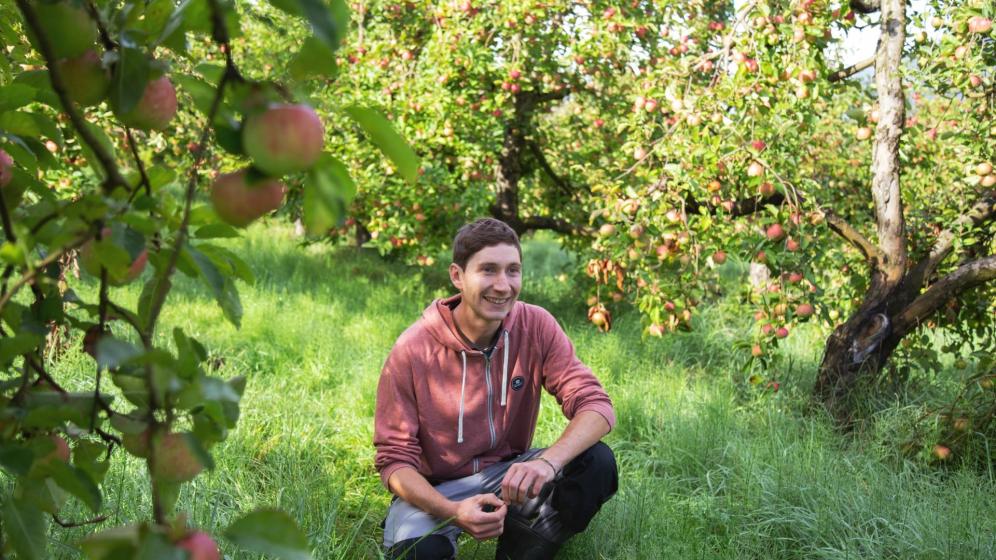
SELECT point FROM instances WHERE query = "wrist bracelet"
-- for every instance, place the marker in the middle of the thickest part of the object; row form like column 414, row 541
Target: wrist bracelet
column 556, row 471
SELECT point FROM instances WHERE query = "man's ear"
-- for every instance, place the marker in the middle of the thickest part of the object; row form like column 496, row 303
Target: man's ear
column 456, row 276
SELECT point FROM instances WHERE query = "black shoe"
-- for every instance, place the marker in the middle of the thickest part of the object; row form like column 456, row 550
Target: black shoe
column 429, row 547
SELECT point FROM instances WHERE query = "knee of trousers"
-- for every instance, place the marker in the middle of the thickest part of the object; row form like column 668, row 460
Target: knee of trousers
column 429, row 547
column 597, row 461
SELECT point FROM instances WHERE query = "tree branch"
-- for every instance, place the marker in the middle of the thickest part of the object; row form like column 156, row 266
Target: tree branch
column 114, row 177
column 840, row 226
column 41, row 265
column 981, row 212
column 851, row 70
column 562, row 184
column 962, row 278
column 866, row 6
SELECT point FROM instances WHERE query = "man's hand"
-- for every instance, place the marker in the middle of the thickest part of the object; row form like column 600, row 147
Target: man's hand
column 524, row 481
column 471, row 516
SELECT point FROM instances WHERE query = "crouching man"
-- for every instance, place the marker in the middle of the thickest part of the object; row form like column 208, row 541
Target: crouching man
column 457, row 405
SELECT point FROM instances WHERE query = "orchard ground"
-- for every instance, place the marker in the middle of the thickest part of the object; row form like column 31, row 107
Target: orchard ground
column 712, row 466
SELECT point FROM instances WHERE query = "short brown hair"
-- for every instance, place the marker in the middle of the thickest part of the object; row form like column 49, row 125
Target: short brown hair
column 481, row 234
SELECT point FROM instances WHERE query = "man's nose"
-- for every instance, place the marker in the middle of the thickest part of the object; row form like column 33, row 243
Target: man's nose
column 502, row 283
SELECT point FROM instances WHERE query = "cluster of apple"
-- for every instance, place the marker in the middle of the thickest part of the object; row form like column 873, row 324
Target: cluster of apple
column 72, row 35
column 280, row 139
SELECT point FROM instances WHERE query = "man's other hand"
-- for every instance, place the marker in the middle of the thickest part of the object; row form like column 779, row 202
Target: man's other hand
column 481, row 516
column 523, row 481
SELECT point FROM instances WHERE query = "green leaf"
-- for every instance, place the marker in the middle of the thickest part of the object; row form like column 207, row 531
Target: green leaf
column 382, row 134
column 25, row 527
column 15, row 96
column 76, row 482
column 201, row 91
column 328, row 190
column 13, row 346
column 329, row 19
column 112, row 352
column 272, row 532
column 224, row 289
column 15, row 459
column 213, row 231
column 315, row 59
column 114, row 543
column 131, row 74
column 105, row 143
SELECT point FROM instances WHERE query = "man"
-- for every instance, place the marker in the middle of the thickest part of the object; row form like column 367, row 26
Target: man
column 457, row 406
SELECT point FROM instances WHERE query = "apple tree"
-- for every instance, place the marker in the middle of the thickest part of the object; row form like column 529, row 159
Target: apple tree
column 132, row 139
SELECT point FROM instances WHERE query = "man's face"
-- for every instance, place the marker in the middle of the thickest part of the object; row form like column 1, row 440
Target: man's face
column 491, row 281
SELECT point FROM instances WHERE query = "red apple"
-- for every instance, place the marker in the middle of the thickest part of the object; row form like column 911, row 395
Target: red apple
column 775, row 232
column 782, row 332
column 756, row 351
column 758, row 145
column 979, row 24
column 6, row 168
column 656, row 330
column 719, row 257
column 791, row 244
column 174, row 459
column 200, row 545
column 155, row 109
column 983, row 169
column 284, row 139
column 766, row 189
column 941, row 452
column 804, row 310
column 606, row 230
column 240, row 199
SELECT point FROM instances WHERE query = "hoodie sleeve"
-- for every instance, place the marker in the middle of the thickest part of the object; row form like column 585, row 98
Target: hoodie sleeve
column 572, row 383
column 396, row 417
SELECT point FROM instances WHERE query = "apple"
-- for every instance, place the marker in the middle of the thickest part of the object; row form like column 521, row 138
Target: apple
column 941, row 452
column 979, row 24
column 983, row 169
column 755, row 169
column 155, row 109
column 804, row 310
column 239, row 198
column 284, row 139
column 6, row 168
column 801, row 91
column 766, row 189
column 606, row 230
column 719, row 257
column 200, row 545
column 807, row 75
column 791, row 245
column 775, row 232
column 782, row 332
column 136, row 444
column 640, row 153
column 598, row 319
column 91, row 264
column 656, row 330
column 636, row 231
column 863, row 133
column 756, row 351
column 758, row 145
column 767, row 328
column 67, row 26
column 85, row 78
column 975, row 80
column 174, row 460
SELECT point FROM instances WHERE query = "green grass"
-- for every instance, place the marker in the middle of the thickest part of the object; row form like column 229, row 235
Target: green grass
column 710, row 466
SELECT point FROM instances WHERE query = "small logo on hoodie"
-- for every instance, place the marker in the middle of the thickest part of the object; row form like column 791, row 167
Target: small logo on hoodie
column 518, row 383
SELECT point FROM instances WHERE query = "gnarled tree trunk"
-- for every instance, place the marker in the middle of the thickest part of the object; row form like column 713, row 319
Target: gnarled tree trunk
column 896, row 301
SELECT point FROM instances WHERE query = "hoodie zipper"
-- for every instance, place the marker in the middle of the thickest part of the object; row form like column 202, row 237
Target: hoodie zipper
column 491, row 416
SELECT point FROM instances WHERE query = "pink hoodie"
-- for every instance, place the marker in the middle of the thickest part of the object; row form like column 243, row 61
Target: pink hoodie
column 447, row 411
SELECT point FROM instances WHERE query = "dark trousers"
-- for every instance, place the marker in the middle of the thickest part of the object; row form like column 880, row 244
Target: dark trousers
column 537, row 529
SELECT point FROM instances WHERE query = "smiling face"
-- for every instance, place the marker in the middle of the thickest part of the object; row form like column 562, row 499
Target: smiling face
column 489, row 286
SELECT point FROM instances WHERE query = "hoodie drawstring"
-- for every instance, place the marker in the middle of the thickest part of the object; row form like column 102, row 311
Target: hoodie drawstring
column 463, row 387
column 504, row 372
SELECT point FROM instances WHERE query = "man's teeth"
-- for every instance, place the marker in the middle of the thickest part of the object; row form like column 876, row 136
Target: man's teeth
column 496, row 301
